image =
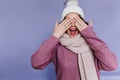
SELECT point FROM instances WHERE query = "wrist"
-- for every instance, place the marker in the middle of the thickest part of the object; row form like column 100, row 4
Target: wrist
column 56, row 35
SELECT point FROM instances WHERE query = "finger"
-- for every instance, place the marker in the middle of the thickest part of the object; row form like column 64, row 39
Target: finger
column 67, row 27
column 67, row 24
column 56, row 24
column 79, row 26
column 79, row 20
column 77, row 23
column 64, row 21
column 91, row 23
column 68, row 21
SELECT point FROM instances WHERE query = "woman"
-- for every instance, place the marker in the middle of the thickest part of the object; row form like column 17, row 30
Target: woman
column 75, row 50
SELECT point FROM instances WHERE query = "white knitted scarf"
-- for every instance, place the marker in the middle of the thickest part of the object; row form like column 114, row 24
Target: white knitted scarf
column 85, row 55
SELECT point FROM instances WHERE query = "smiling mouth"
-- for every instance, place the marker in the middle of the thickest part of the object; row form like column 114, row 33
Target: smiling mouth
column 72, row 29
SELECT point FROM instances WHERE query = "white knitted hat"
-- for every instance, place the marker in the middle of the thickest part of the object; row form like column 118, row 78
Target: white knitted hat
column 72, row 6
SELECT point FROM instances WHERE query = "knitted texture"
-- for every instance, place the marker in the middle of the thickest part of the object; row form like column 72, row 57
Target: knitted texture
column 85, row 55
column 72, row 7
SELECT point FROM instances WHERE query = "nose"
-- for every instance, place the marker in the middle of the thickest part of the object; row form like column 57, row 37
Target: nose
column 73, row 24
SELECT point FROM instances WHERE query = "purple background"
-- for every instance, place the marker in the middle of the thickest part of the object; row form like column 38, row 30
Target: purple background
column 25, row 24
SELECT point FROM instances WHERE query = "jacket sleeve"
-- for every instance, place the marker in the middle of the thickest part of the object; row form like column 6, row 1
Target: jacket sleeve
column 106, row 59
column 44, row 55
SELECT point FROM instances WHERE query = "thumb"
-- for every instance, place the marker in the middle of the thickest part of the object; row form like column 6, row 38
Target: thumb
column 56, row 24
column 91, row 24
